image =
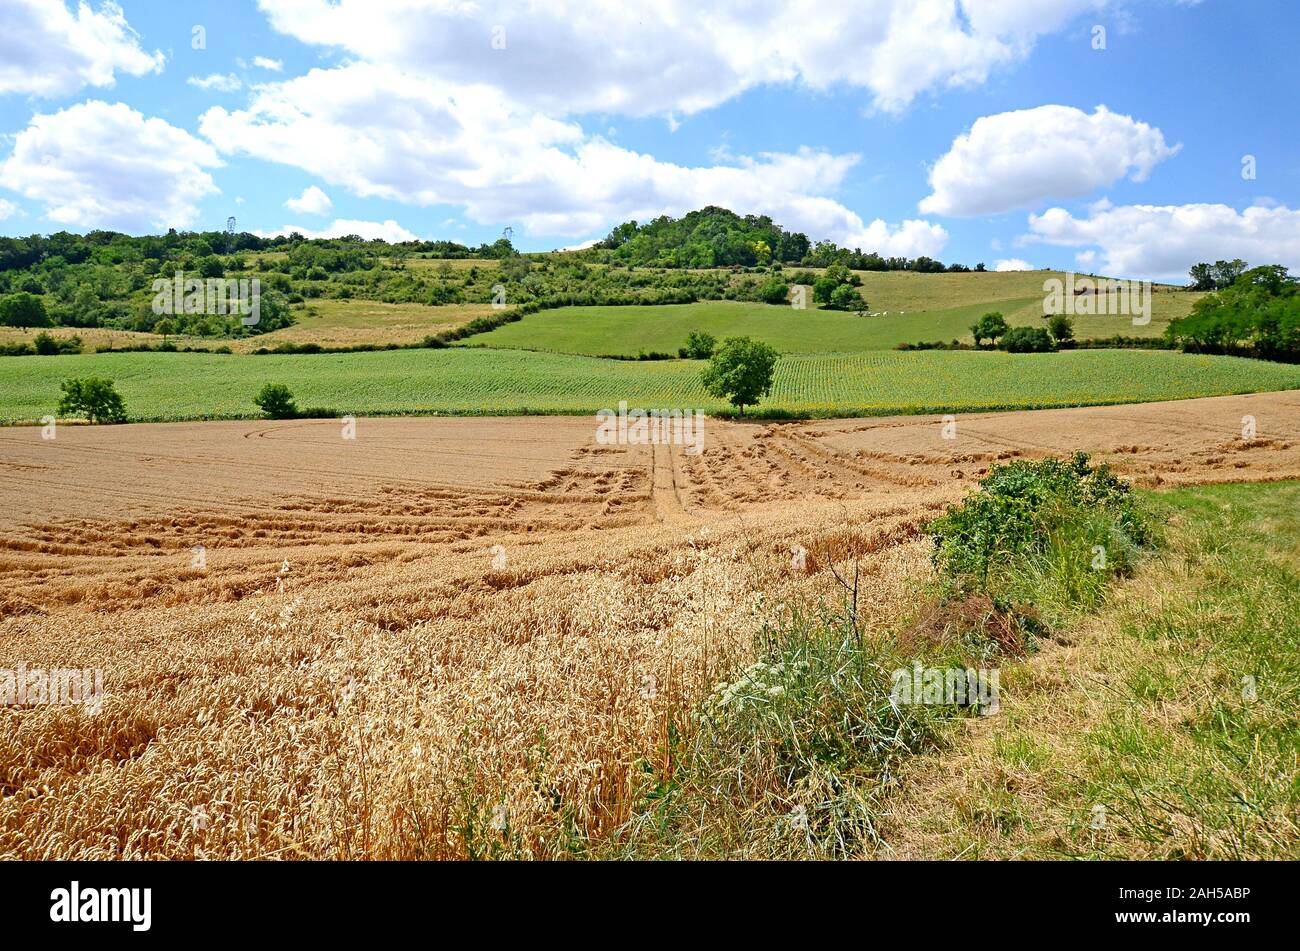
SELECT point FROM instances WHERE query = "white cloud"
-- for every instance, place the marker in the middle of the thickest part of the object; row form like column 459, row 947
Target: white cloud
column 1017, row 159
column 8, row 209
column 1163, row 241
column 910, row 239
column 96, row 165
column 227, row 82
column 312, row 201
column 265, row 62
column 48, row 50
column 389, row 230
column 385, row 134
column 678, row 56
column 583, row 245
column 1013, row 264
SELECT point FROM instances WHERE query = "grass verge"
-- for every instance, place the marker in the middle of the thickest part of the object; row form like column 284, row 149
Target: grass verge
column 797, row 755
column 1165, row 727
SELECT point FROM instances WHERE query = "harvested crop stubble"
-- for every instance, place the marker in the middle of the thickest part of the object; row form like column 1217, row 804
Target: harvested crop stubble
column 359, row 671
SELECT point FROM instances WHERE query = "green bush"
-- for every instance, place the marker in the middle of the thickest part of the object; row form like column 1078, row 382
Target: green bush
column 276, row 401
column 1027, row 340
column 94, row 397
column 1049, row 533
column 775, row 291
column 699, row 345
column 844, row 297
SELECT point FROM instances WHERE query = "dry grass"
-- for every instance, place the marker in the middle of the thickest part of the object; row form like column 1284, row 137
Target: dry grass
column 352, row 676
column 344, row 323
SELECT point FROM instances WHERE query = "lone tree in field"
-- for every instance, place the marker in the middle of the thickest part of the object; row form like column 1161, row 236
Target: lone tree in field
column 93, row 397
column 740, row 371
column 276, row 401
column 1061, row 328
column 989, row 327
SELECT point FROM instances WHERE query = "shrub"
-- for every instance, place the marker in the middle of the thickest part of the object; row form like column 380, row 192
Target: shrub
column 1027, row 340
column 699, row 345
column 45, row 345
column 94, row 397
column 775, row 291
column 276, row 401
column 1049, row 532
column 844, row 297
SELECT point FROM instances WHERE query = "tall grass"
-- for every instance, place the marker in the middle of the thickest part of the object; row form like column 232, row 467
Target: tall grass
column 788, row 758
column 794, row 756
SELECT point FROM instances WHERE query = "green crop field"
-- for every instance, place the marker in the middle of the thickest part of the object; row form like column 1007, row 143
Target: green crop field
column 627, row 331
column 173, row 386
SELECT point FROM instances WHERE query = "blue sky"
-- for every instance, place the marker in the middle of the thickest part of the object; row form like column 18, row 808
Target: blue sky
column 968, row 131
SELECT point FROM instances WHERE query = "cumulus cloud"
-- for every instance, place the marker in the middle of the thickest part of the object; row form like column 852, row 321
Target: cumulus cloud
column 221, row 82
column 1018, row 159
column 1163, row 241
column 96, row 165
column 265, row 62
column 8, row 209
column 388, row 230
column 312, row 201
column 1013, row 264
column 383, row 133
column 582, row 245
column 47, row 49
column 677, row 56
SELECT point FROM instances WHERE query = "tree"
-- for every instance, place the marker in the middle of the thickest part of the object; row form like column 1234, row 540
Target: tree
column 166, row 327
column 839, row 273
column 276, row 401
column 1061, row 328
column 762, row 251
column 823, row 288
column 94, row 397
column 741, row 371
column 844, row 297
column 1202, row 277
column 1217, row 276
column 1027, row 340
column 23, row 310
column 1258, row 314
column 989, row 327
column 699, row 345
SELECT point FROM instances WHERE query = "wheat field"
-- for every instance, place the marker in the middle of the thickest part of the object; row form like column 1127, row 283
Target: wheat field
column 453, row 638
